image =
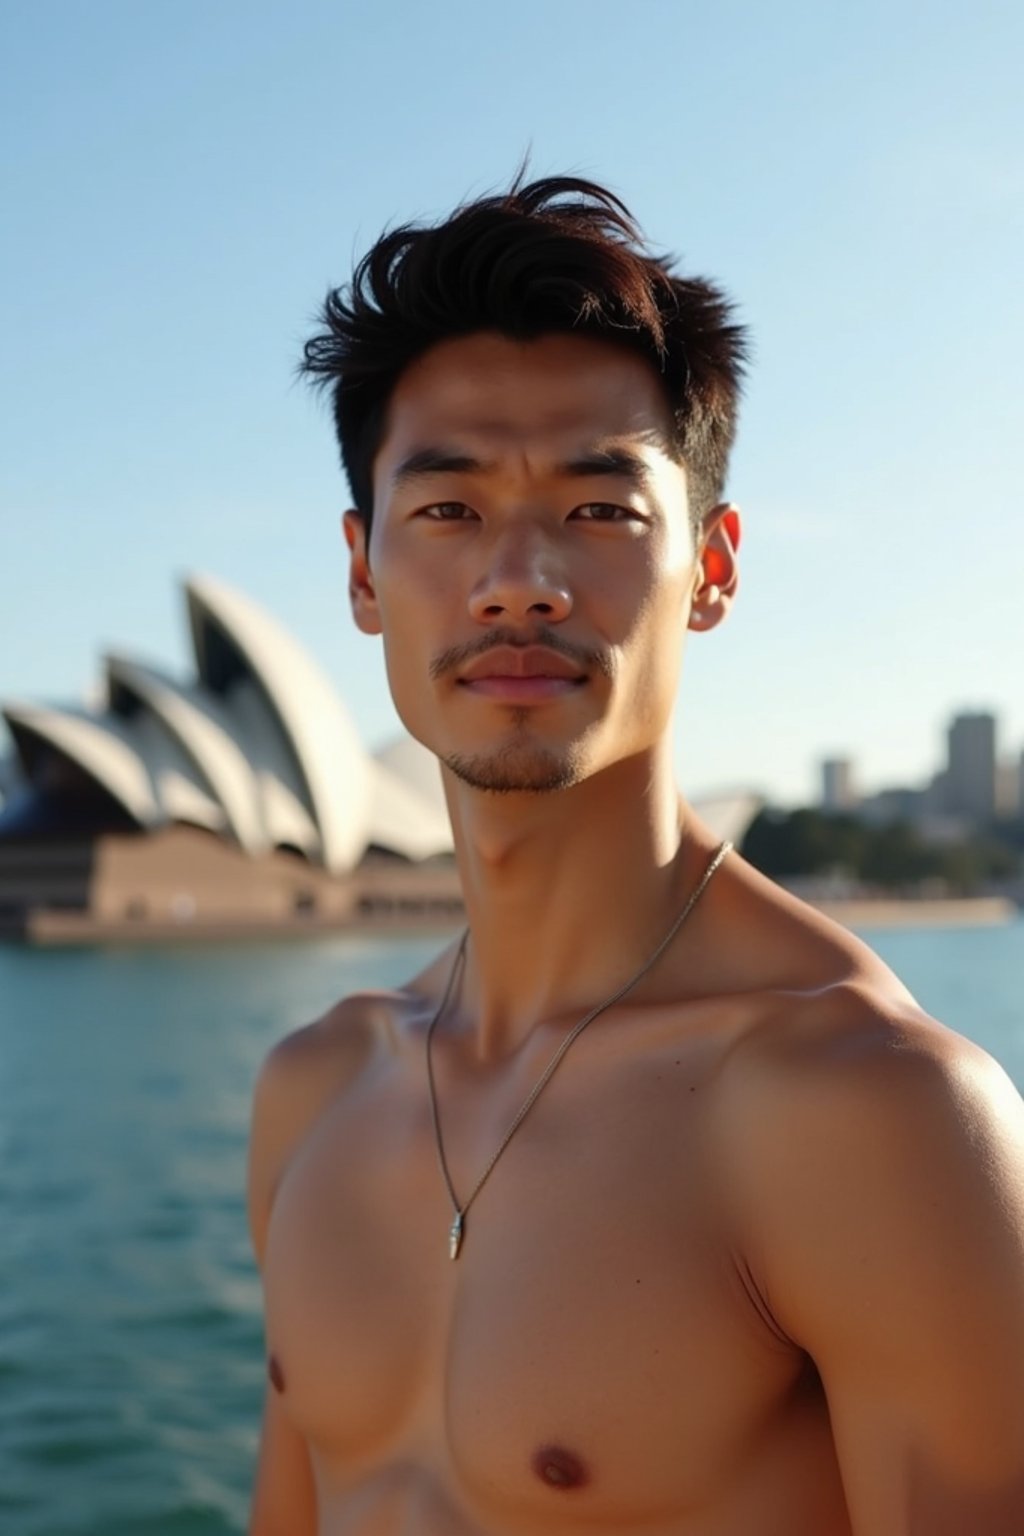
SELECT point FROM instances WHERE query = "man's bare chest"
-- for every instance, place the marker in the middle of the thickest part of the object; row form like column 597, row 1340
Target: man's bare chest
column 594, row 1335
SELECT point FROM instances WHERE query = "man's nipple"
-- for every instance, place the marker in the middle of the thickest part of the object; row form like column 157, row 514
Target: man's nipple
column 275, row 1373
column 559, row 1468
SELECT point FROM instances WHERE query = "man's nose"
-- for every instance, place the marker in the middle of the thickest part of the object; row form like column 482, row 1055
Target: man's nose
column 524, row 577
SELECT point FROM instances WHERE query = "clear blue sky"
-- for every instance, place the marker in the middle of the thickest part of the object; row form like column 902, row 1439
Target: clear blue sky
column 181, row 182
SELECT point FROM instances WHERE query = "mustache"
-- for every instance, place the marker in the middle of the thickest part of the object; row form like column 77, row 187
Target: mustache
column 457, row 656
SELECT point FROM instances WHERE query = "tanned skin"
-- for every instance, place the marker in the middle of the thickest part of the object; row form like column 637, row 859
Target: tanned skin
column 754, row 1263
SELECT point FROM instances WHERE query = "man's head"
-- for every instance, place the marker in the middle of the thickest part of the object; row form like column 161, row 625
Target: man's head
column 535, row 419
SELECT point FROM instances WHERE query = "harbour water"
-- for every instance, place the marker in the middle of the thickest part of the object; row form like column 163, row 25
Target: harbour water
column 131, row 1347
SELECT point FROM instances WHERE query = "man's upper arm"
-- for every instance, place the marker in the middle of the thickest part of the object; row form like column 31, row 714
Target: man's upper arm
column 884, row 1172
column 296, row 1080
column 284, row 1494
column 279, row 1118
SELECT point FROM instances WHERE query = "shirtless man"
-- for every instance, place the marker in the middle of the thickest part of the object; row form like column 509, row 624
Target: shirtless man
column 752, row 1264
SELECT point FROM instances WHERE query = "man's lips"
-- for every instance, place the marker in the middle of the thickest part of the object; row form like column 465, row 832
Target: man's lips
column 521, row 675
column 513, row 662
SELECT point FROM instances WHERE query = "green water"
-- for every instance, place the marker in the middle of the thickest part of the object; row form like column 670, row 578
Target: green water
column 131, row 1363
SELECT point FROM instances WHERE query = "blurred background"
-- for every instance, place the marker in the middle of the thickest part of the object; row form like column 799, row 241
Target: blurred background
column 181, row 185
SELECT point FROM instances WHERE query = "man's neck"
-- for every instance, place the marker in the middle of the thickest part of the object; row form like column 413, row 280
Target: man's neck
column 567, row 893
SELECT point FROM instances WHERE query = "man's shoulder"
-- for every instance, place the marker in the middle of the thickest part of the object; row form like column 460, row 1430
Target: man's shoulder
column 857, row 1054
column 350, row 1033
column 859, row 1036
column 850, row 1113
column 818, row 1030
column 337, row 1041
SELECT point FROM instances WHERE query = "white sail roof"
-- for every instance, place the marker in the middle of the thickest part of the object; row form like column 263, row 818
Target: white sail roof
column 312, row 722
column 104, row 748
column 205, row 734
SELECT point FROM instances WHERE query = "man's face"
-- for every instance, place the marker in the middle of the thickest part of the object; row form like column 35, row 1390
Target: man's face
column 525, row 496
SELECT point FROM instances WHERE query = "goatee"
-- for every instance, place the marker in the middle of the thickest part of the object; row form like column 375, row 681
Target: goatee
column 517, row 768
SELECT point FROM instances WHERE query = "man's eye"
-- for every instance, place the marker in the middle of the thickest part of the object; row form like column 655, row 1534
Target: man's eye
column 446, row 511
column 603, row 512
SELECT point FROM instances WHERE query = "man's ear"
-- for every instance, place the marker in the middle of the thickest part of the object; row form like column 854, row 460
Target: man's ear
column 720, row 541
column 362, row 594
column 717, row 569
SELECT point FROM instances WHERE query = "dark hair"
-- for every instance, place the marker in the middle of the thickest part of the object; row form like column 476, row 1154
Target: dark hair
column 558, row 254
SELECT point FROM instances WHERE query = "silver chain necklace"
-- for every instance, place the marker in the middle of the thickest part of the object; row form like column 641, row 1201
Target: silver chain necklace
column 457, row 1229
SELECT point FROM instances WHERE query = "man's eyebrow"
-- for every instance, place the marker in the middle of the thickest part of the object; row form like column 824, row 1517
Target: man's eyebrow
column 621, row 462
column 435, row 461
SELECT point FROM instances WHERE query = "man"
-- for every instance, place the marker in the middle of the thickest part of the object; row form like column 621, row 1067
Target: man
column 750, row 1262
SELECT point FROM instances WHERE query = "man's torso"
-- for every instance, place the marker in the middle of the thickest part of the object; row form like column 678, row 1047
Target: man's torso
column 600, row 1354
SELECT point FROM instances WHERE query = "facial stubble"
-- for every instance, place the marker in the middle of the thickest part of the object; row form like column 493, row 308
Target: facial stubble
column 519, row 765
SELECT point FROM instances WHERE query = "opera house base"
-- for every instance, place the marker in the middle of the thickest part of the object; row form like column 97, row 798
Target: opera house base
column 921, row 912
column 182, row 882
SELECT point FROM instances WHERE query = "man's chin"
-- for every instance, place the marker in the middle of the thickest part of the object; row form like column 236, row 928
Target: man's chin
column 517, row 770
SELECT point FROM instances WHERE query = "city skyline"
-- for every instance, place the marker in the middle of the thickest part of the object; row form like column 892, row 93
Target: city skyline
column 978, row 782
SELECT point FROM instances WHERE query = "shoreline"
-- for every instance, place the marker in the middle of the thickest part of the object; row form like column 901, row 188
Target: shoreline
column 47, row 928
column 907, row 912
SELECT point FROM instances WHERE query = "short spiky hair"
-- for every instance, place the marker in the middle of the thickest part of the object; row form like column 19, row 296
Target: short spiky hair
column 557, row 254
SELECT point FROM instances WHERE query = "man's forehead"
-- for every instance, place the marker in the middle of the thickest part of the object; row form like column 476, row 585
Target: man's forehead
column 552, row 384
column 563, row 431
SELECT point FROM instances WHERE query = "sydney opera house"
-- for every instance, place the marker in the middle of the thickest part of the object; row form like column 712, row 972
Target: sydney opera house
column 239, row 800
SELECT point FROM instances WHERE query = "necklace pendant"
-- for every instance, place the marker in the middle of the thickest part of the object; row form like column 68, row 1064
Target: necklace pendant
column 455, row 1236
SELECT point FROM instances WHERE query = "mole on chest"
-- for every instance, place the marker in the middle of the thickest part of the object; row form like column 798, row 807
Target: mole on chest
column 275, row 1373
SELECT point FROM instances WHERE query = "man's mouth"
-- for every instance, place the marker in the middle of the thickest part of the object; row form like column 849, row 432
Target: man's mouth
column 531, row 661
column 522, row 674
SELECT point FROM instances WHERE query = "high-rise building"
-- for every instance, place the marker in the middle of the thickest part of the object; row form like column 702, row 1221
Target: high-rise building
column 837, row 788
column 971, row 770
column 1008, row 787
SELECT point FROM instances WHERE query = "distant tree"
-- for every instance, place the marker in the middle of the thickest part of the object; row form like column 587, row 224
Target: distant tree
column 962, row 867
column 893, row 857
column 1008, row 832
column 800, row 842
